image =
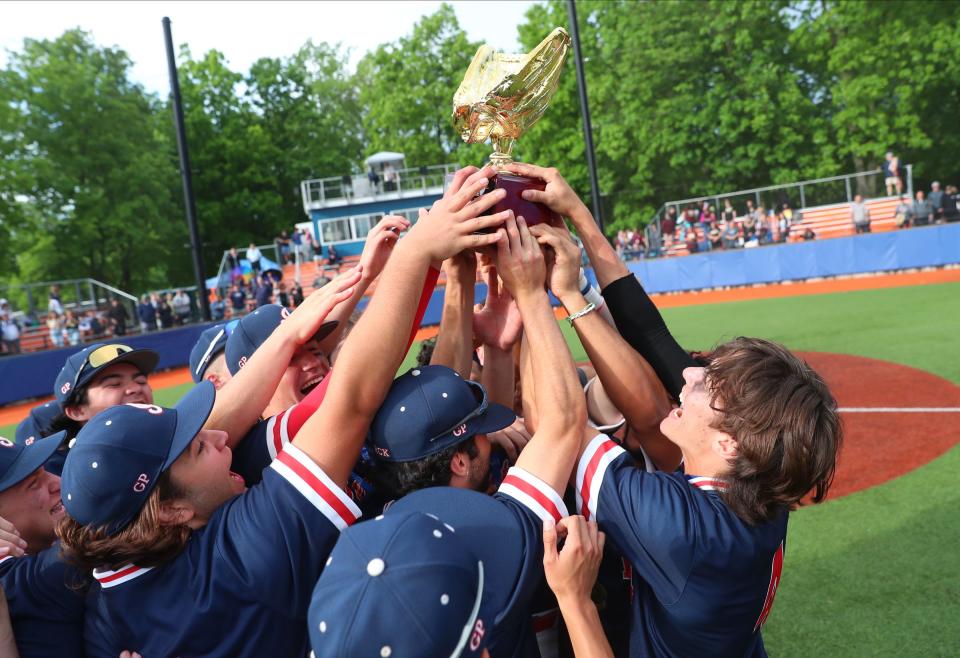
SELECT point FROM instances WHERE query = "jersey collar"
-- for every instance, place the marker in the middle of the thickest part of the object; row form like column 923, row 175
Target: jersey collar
column 120, row 576
column 707, row 483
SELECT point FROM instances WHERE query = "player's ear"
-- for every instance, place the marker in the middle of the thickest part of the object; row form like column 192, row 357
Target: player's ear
column 176, row 512
column 77, row 413
column 725, row 446
column 459, row 465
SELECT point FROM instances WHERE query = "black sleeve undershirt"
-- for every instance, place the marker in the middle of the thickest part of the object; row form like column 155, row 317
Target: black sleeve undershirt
column 642, row 326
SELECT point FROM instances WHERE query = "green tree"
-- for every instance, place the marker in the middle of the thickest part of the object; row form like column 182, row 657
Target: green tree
column 406, row 90
column 93, row 189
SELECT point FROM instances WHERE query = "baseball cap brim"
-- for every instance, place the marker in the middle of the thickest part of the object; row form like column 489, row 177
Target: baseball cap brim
column 193, row 410
column 31, row 458
column 144, row 359
column 475, row 518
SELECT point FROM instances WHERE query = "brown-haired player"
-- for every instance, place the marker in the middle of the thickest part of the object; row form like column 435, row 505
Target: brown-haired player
column 758, row 429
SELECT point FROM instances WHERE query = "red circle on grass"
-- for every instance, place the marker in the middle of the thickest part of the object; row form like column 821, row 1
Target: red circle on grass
column 881, row 445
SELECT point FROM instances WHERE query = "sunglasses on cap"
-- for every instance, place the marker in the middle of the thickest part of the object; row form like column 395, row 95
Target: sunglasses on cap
column 479, row 411
column 100, row 357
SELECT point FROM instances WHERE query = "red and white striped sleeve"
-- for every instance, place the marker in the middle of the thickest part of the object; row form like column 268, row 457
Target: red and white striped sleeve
column 278, row 434
column 309, row 479
column 593, row 464
column 534, row 494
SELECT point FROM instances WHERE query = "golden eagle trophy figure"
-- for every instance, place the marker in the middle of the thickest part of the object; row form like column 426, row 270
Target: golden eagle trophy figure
column 502, row 95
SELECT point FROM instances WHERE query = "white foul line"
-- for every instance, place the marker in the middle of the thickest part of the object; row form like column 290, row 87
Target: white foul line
column 899, row 410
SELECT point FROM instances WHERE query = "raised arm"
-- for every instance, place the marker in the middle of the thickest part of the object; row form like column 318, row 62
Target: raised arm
column 377, row 248
column 627, row 378
column 454, row 347
column 638, row 320
column 375, row 348
column 562, row 413
column 241, row 401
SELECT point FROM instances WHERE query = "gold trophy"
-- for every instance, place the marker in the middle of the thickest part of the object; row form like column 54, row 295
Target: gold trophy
column 502, row 95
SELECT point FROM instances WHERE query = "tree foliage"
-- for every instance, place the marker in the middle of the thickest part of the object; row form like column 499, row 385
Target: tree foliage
column 687, row 98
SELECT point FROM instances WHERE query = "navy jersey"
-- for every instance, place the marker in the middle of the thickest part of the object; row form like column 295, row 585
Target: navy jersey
column 260, row 446
column 704, row 579
column 46, row 598
column 242, row 585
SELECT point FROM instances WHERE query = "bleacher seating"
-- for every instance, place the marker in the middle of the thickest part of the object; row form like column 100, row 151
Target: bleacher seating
column 831, row 221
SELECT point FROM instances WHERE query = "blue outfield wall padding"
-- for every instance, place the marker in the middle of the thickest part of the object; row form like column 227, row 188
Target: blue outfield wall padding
column 877, row 252
column 32, row 375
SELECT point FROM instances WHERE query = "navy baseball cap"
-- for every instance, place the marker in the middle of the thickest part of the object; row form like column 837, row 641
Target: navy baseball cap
column 119, row 454
column 84, row 365
column 253, row 329
column 39, row 421
column 212, row 341
column 401, row 585
column 19, row 460
column 430, row 409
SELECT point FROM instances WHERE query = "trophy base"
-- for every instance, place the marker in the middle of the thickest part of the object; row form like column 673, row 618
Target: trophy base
column 532, row 213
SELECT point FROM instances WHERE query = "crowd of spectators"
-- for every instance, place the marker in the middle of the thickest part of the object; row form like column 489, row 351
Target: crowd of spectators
column 700, row 228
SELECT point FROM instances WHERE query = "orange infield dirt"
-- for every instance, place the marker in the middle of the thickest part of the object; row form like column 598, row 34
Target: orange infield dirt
column 895, row 418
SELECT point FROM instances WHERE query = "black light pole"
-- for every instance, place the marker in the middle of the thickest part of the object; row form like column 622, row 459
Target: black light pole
column 189, row 202
column 585, row 112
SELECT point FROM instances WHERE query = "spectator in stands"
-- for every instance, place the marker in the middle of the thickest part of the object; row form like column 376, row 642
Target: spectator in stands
column 728, row 214
column 296, row 295
column 118, row 317
column 71, row 328
column 282, row 297
column 668, row 224
column 238, row 300
column 750, row 222
column 315, row 248
column 165, row 312
column 147, row 314
column 952, row 210
column 921, row 212
column 763, row 232
column 374, row 179
column 731, row 235
column 621, row 243
column 783, row 227
column 283, row 247
column 55, row 329
column 892, row 177
column 233, row 260
column 264, row 294
column 654, row 241
column 254, row 255
column 306, row 245
column 9, row 329
column 860, row 215
column 296, row 241
column 937, row 199
column 390, row 178
column 218, row 308
column 181, row 307
column 809, row 234
column 333, row 258
column 53, row 304
column 715, row 236
column 901, row 214
column 708, row 217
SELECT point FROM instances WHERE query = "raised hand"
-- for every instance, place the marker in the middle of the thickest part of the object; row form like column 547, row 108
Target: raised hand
column 304, row 322
column 563, row 261
column 497, row 321
column 10, row 541
column 558, row 195
column 379, row 245
column 572, row 571
column 462, row 268
column 512, row 439
column 454, row 222
column 519, row 259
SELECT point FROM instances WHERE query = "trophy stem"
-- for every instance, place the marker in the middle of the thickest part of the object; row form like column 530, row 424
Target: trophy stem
column 502, row 152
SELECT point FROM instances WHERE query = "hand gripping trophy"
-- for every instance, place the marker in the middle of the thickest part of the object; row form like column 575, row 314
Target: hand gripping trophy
column 502, row 95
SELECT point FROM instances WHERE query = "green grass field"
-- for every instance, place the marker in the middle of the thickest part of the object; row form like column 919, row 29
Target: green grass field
column 876, row 573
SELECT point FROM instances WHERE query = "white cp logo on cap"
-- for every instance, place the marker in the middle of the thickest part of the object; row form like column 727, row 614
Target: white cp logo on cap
column 149, row 408
column 141, row 484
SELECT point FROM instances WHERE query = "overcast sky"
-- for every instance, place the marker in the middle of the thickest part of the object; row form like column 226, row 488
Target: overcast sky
column 246, row 31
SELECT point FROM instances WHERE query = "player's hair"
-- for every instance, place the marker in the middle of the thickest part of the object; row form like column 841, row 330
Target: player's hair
column 397, row 479
column 145, row 541
column 785, row 422
column 65, row 422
